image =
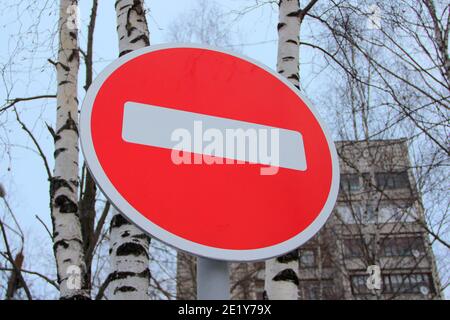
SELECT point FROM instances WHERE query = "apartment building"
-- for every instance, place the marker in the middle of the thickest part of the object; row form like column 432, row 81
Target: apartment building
column 376, row 233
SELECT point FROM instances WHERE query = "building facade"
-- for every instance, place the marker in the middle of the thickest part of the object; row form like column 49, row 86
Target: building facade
column 374, row 245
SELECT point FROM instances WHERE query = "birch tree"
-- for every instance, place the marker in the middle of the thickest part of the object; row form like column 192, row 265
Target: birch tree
column 130, row 276
column 67, row 238
column 281, row 274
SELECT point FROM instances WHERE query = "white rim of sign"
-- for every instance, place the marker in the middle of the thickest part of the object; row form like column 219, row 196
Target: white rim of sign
column 165, row 236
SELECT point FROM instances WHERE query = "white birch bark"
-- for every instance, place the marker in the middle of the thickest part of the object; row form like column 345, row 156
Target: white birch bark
column 130, row 275
column 67, row 238
column 288, row 40
column 132, row 28
column 281, row 274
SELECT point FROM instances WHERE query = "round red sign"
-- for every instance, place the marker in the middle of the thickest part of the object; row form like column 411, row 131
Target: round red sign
column 210, row 152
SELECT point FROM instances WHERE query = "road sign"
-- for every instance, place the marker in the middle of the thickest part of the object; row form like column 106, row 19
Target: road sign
column 210, row 152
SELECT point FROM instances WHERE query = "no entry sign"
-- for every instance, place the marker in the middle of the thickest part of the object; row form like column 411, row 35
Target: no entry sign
column 210, row 152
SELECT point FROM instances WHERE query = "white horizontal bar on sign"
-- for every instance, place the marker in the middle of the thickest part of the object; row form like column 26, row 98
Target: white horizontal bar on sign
column 151, row 125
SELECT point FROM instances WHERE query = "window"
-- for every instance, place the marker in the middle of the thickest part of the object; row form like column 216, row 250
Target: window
column 369, row 213
column 397, row 211
column 367, row 183
column 407, row 283
column 307, row 258
column 392, row 180
column 317, row 289
column 355, row 248
column 350, row 182
column 396, row 284
column 402, row 247
column 359, row 285
column 364, row 212
column 405, row 212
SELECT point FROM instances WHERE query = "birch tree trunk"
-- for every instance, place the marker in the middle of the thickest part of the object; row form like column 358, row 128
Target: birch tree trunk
column 288, row 40
column 67, row 238
column 130, row 276
column 281, row 274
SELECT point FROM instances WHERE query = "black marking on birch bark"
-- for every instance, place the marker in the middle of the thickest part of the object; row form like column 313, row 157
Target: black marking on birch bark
column 64, row 82
column 281, row 71
column 293, row 76
column 131, row 248
column 124, row 289
column 74, row 55
column 124, row 52
column 288, row 257
column 125, row 234
column 294, row 13
column 118, row 220
column 62, row 243
column 137, row 6
column 292, row 41
column 118, row 275
column 57, row 183
column 140, row 236
column 287, row 275
column 66, row 205
column 69, row 125
column 288, row 58
column 280, row 25
column 67, row 260
column 297, row 86
column 58, row 151
column 128, row 26
column 125, row 6
column 74, row 182
column 66, row 68
column 74, row 36
column 265, row 296
column 65, row 243
column 142, row 37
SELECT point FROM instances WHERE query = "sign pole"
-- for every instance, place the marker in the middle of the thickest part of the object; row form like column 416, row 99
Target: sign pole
column 213, row 281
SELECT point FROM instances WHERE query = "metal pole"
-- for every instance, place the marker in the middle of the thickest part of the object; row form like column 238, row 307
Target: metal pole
column 212, row 279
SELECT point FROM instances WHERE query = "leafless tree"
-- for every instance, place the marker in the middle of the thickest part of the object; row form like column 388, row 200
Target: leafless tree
column 205, row 23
